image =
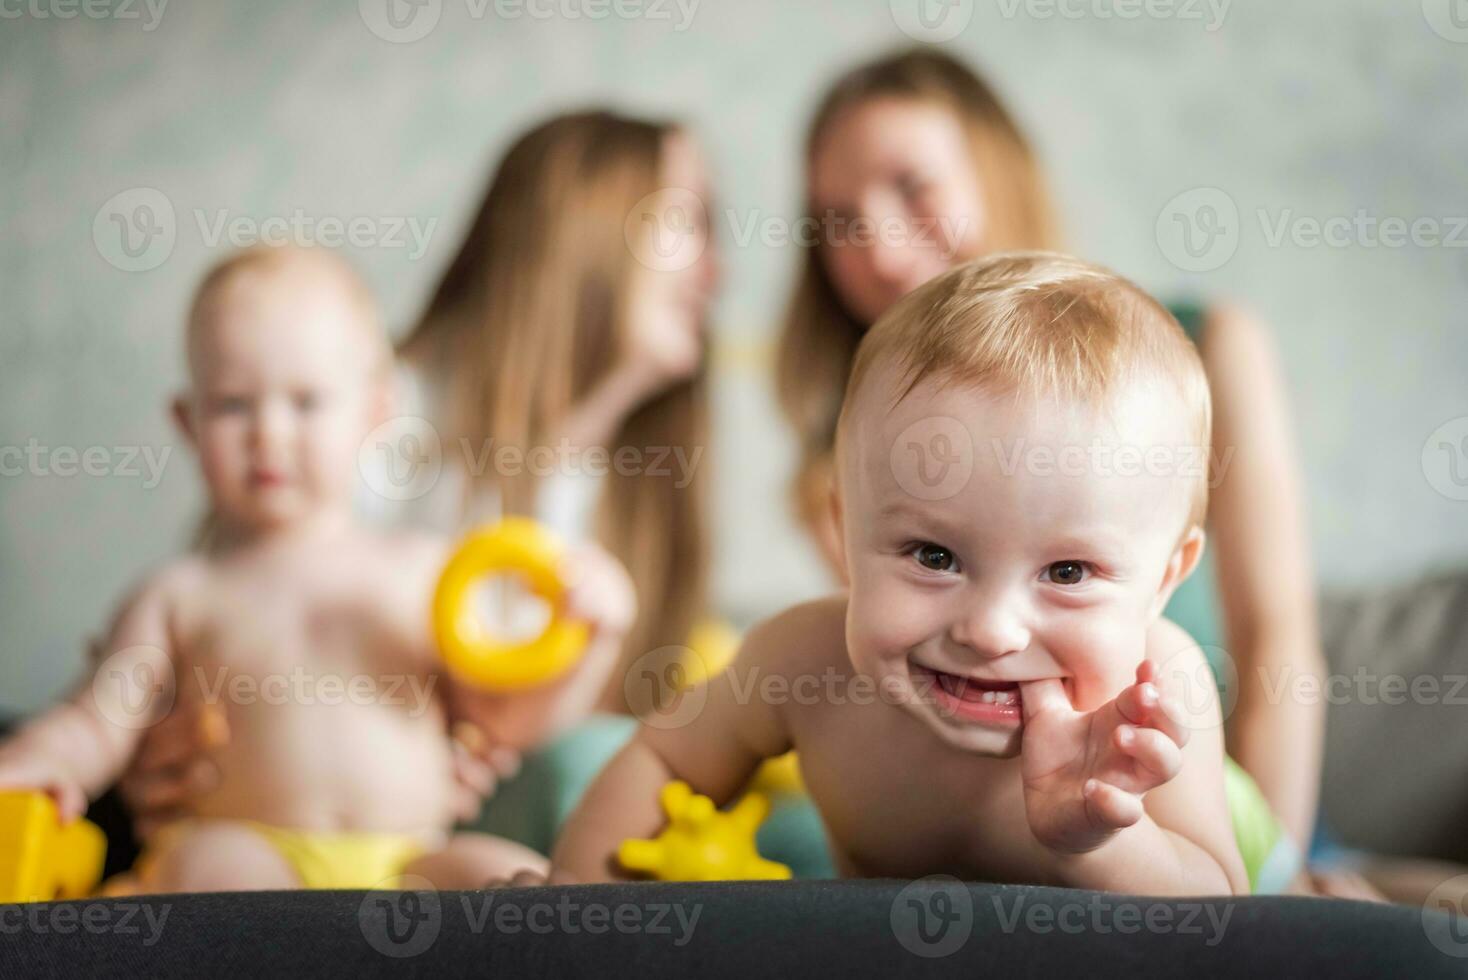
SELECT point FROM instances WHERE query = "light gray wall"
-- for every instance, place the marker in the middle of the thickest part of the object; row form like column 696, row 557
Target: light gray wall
column 258, row 109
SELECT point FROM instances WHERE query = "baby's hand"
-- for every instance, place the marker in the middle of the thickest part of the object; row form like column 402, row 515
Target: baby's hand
column 32, row 773
column 599, row 592
column 533, row 879
column 1085, row 773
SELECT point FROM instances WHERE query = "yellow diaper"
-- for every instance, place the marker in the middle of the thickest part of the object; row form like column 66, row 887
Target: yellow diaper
column 348, row 860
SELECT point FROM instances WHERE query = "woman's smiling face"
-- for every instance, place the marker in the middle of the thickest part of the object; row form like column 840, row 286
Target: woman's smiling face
column 897, row 195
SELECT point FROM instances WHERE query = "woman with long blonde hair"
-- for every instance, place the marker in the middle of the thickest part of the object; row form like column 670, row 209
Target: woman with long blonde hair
column 920, row 155
column 549, row 334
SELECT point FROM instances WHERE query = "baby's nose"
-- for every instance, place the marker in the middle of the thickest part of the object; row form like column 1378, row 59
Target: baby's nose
column 992, row 632
column 272, row 425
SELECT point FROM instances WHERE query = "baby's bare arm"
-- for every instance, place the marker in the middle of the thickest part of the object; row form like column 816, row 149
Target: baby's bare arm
column 715, row 749
column 1185, row 843
column 78, row 748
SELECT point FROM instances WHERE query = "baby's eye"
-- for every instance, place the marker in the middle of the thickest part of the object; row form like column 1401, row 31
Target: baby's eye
column 228, row 405
column 1066, row 572
column 933, row 557
column 910, row 184
column 307, row 401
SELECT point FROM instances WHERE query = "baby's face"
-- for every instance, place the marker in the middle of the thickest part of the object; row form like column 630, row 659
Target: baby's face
column 283, row 394
column 1002, row 566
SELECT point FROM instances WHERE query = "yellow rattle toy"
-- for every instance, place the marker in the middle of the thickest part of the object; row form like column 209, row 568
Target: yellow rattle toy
column 520, row 546
column 41, row 860
column 703, row 844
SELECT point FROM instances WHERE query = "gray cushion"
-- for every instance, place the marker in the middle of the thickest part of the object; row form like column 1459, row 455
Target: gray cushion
column 1396, row 762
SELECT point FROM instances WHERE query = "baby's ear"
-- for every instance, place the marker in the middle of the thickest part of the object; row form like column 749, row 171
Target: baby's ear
column 838, row 534
column 1185, row 558
column 182, row 411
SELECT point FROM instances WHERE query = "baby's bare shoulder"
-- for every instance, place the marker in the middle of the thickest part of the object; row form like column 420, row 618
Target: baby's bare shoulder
column 1182, row 668
column 806, row 637
column 420, row 548
column 402, row 557
column 1167, row 641
column 151, row 609
column 172, row 581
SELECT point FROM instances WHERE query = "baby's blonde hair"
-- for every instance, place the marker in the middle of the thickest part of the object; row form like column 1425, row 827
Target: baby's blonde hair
column 264, row 263
column 1040, row 324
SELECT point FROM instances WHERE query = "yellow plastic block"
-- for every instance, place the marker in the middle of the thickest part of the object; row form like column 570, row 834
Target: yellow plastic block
column 40, row 860
column 703, row 844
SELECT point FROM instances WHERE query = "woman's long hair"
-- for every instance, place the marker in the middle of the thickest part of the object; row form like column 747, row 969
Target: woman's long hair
column 530, row 316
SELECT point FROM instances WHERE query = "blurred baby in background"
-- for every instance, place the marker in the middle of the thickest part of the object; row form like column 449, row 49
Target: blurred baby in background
column 310, row 630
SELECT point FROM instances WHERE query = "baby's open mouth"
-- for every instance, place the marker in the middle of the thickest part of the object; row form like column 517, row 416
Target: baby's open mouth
column 974, row 699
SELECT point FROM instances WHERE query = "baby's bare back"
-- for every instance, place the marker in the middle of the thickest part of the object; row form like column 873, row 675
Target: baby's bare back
column 322, row 664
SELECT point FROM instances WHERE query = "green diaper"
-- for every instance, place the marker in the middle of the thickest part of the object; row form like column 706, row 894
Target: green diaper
column 1270, row 857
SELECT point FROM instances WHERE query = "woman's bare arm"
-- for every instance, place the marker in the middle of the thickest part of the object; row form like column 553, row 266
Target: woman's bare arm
column 1261, row 540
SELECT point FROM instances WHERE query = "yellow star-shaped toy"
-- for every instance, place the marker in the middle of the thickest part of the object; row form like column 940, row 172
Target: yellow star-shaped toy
column 703, row 844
